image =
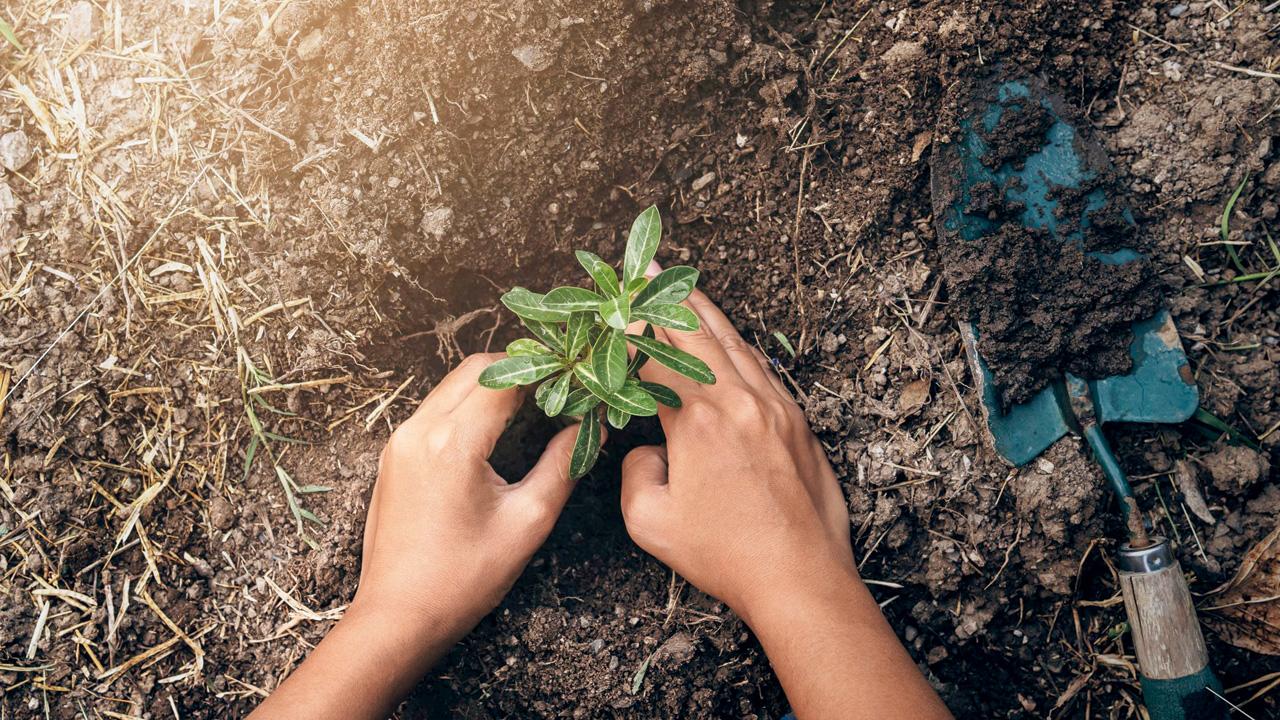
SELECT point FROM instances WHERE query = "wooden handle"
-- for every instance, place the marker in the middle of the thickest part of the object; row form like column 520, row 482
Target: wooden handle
column 1162, row 618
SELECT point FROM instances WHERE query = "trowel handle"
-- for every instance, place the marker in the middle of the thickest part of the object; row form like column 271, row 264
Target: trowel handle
column 1177, row 683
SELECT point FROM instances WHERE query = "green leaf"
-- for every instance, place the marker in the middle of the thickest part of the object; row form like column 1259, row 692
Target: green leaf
column 587, row 377
column 580, row 402
column 527, row 347
column 548, row 333
column 558, row 394
column 616, row 312
column 586, row 448
column 540, row 395
column 249, row 453
column 609, row 360
column 524, row 370
column 1207, row 418
column 633, row 400
column 661, row 393
column 1225, row 225
column 605, row 277
column 307, row 489
column 577, row 333
column 639, row 358
column 571, row 299
column 7, row 33
column 674, row 358
column 642, row 244
column 672, row 285
column 636, row 285
column 617, row 418
column 529, row 305
column 676, row 317
column 786, row 344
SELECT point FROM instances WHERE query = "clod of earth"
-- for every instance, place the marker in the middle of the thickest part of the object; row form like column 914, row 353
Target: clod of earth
column 1041, row 305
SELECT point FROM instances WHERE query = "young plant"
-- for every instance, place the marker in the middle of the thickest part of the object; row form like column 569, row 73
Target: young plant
column 580, row 351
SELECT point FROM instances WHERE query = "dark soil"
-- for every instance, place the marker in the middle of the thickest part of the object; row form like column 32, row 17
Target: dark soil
column 347, row 187
column 1042, row 303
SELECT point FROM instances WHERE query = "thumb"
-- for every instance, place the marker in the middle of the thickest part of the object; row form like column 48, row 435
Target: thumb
column 644, row 485
column 549, row 479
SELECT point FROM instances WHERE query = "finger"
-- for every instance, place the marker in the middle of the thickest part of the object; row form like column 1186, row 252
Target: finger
column 644, row 486
column 769, row 372
column 458, row 384
column 701, row 342
column 736, row 349
column 549, row 483
column 654, row 371
column 482, row 416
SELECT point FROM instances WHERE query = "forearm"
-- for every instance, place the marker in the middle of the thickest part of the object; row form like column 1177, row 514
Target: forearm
column 836, row 655
column 361, row 669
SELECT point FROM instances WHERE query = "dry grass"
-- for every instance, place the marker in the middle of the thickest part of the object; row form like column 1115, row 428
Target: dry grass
column 144, row 348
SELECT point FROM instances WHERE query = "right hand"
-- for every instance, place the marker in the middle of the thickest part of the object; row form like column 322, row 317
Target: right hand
column 741, row 501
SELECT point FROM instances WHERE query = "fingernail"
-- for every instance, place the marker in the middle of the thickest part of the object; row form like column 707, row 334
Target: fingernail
column 653, row 269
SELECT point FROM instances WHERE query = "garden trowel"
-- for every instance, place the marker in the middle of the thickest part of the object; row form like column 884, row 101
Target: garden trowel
column 1177, row 682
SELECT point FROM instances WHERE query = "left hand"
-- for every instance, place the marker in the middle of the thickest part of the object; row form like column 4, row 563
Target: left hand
column 446, row 536
column 445, row 539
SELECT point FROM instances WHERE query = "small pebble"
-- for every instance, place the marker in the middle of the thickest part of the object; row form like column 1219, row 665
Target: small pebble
column 596, row 646
column 311, row 45
column 15, row 150
column 79, row 22
column 1178, row 10
column 534, row 57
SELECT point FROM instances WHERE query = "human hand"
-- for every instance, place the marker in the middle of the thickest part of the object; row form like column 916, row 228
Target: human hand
column 446, row 536
column 445, row 539
column 742, row 497
column 743, row 503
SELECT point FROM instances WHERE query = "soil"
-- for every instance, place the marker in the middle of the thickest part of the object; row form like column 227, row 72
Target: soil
column 1042, row 303
column 336, row 192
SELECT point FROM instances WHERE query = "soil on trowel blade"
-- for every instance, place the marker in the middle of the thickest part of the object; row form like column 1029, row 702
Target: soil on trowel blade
column 1042, row 306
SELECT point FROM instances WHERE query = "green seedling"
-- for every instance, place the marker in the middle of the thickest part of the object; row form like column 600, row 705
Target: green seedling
column 578, row 351
column 6, row 32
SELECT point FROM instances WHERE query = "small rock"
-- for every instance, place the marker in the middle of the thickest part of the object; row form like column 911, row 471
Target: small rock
column 311, row 45
column 15, row 150
column 614, row 662
column 436, row 221
column 703, row 181
column 914, row 396
column 596, row 646
column 534, row 57
column 1235, row 468
column 676, row 651
column 221, row 514
column 8, row 203
column 1178, row 10
column 79, row 23
column 903, row 52
column 1044, row 466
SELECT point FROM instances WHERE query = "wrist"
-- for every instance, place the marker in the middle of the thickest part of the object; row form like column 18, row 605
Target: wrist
column 817, row 587
column 411, row 622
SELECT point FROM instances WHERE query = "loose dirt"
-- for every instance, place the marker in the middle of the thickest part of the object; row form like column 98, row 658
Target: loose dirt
column 1041, row 301
column 333, row 194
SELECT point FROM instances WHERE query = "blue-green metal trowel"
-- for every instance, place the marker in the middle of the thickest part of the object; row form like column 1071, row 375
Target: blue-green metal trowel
column 1176, row 679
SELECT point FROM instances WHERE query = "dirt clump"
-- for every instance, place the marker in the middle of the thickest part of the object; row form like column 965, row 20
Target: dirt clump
column 1043, row 299
column 1019, row 133
column 1235, row 468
